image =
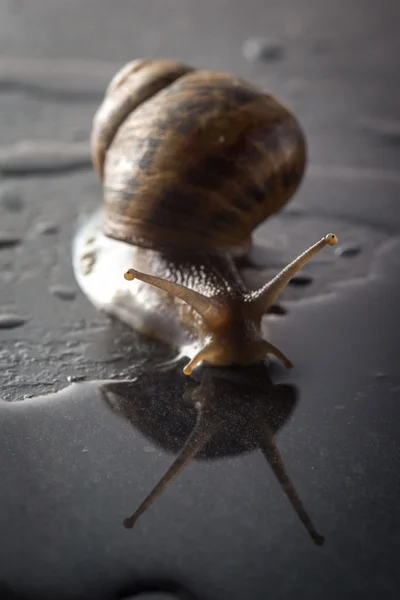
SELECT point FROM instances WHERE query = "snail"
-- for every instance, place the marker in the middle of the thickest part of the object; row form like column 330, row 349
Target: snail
column 191, row 163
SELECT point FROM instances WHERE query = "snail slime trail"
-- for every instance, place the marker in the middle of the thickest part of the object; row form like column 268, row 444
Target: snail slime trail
column 192, row 162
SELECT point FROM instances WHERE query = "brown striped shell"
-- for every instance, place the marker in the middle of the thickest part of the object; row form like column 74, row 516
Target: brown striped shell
column 191, row 157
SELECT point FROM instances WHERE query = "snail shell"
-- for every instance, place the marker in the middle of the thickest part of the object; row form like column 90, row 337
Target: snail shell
column 191, row 162
column 191, row 157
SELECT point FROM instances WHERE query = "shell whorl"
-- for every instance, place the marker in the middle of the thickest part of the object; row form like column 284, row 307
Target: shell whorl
column 135, row 83
column 191, row 157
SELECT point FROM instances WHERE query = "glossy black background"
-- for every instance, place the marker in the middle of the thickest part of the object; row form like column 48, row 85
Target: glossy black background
column 71, row 468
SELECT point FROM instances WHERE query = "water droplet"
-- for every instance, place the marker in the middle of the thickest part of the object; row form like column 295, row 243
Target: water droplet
column 347, row 250
column 47, row 228
column 30, row 157
column 8, row 240
column 262, row 49
column 380, row 375
column 63, row 292
column 384, row 129
column 11, row 199
column 10, row 320
column 57, row 78
column 301, row 279
column 75, row 378
column 277, row 309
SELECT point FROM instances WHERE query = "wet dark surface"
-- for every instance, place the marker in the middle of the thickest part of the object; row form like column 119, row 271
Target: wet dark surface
column 79, row 458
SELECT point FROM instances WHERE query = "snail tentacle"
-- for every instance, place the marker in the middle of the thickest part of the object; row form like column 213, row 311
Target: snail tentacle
column 208, row 354
column 211, row 311
column 271, row 349
column 268, row 294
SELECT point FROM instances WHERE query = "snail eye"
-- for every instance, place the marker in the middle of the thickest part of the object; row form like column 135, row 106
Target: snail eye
column 331, row 239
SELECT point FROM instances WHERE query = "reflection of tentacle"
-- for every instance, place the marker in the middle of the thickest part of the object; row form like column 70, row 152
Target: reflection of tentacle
column 276, row 309
column 198, row 438
column 272, row 454
column 237, row 409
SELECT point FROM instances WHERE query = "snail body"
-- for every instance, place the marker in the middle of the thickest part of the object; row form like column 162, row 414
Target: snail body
column 191, row 163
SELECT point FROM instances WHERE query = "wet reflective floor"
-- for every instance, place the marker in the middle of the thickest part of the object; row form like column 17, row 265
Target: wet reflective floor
column 273, row 460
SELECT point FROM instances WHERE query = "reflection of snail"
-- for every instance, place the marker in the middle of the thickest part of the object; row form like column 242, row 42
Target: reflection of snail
column 191, row 161
column 226, row 414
